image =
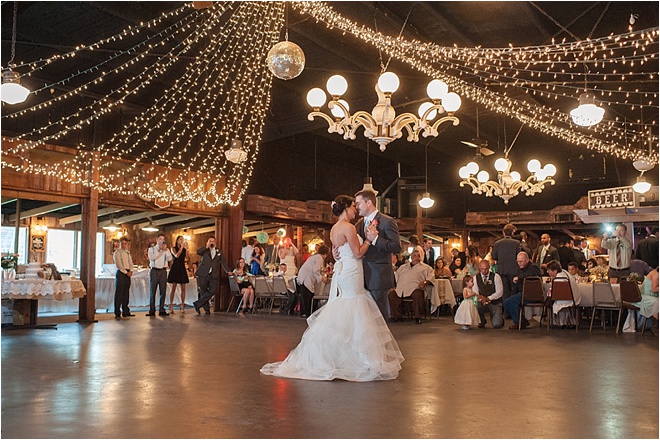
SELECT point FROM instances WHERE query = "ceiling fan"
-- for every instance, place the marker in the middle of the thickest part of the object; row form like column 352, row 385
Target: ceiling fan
column 481, row 145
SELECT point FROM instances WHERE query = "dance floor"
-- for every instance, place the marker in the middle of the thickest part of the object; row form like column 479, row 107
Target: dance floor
column 190, row 376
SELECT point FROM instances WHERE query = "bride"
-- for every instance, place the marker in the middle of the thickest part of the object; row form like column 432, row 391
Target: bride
column 347, row 338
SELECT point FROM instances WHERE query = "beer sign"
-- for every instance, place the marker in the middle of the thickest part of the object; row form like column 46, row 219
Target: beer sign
column 622, row 197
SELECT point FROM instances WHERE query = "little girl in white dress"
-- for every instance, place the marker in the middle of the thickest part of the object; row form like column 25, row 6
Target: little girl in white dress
column 467, row 313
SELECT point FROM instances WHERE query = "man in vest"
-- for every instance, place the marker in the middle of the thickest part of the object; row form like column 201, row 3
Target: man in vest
column 489, row 287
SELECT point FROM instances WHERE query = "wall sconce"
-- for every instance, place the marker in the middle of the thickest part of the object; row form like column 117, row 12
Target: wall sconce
column 40, row 226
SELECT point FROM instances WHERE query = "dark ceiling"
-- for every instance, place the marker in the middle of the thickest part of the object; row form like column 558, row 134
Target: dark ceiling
column 298, row 159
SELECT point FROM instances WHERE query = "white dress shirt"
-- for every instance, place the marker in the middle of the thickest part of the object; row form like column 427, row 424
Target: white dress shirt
column 310, row 273
column 408, row 277
column 246, row 253
column 625, row 251
column 499, row 288
column 123, row 260
column 158, row 259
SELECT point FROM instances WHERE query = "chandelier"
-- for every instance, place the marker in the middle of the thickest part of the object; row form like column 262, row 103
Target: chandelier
column 382, row 125
column 509, row 183
column 236, row 154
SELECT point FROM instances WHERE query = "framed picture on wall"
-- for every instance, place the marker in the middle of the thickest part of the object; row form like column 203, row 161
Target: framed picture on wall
column 38, row 243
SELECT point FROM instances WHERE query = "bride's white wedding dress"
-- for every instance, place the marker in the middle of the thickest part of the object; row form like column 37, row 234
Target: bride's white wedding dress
column 347, row 338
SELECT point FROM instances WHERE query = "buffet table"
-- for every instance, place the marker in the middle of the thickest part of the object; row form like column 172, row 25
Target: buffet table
column 139, row 292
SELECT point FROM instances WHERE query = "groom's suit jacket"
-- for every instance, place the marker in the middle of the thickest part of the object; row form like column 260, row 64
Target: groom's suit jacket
column 377, row 262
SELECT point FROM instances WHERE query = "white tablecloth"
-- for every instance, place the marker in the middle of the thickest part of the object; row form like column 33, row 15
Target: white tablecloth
column 442, row 293
column 43, row 289
column 583, row 295
column 139, row 292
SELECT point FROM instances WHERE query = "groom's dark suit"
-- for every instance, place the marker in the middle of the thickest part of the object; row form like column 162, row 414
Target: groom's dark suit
column 377, row 262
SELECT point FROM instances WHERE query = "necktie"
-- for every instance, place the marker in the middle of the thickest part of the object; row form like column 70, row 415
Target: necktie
column 618, row 255
column 542, row 256
column 366, row 225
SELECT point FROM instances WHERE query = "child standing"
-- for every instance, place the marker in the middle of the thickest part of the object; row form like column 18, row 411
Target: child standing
column 467, row 313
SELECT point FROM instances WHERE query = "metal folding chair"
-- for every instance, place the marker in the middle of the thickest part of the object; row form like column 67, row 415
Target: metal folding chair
column 603, row 299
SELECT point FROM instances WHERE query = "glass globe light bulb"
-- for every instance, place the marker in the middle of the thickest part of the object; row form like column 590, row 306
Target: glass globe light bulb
column 472, row 168
column 426, row 201
column 540, row 175
column 336, row 85
column 388, row 82
column 483, row 176
column 463, row 172
column 422, row 109
column 316, row 97
column 437, row 90
column 11, row 91
column 642, row 185
column 550, row 170
column 515, row 176
column 337, row 111
column 451, row 102
column 502, row 164
column 533, row 166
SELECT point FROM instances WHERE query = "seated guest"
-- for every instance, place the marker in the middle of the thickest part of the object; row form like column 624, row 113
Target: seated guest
column 573, row 271
column 636, row 266
column 309, row 275
column 244, row 285
column 440, row 269
column 411, row 279
column 512, row 304
column 648, row 306
column 591, row 263
column 560, row 317
column 473, row 259
column 456, row 266
column 490, row 289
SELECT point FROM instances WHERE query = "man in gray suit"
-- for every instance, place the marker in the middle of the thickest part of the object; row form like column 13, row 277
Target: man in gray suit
column 505, row 251
column 383, row 234
column 208, row 273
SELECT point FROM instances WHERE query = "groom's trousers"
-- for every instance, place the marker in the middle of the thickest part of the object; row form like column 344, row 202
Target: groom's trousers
column 380, row 296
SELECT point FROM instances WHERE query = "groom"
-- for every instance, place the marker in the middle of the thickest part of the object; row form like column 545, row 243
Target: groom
column 383, row 234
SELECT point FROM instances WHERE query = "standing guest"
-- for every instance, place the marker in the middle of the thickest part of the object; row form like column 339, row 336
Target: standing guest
column 490, row 290
column 505, row 253
column 579, row 254
column 619, row 249
column 287, row 253
column 241, row 272
column 246, row 252
column 381, row 232
column 440, row 269
column 545, row 253
column 512, row 304
column 584, row 245
column 271, row 252
column 304, row 254
column 159, row 257
column 257, row 260
column 178, row 273
column 429, row 252
column 467, row 313
column 124, row 263
column 208, row 274
column 411, row 279
column 565, row 251
column 524, row 244
column 647, row 249
column 309, row 275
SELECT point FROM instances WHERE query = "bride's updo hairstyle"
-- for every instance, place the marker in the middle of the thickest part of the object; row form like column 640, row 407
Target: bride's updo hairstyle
column 340, row 204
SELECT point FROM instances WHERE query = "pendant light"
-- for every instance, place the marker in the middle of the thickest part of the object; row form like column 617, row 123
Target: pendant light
column 426, row 201
column 151, row 227
column 11, row 91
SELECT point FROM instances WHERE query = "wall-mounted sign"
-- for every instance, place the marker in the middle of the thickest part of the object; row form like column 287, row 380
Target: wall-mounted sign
column 38, row 243
column 622, row 197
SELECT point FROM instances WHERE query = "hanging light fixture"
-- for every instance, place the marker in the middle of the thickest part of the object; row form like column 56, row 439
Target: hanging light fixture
column 286, row 60
column 382, row 125
column 236, row 154
column 426, row 201
column 368, row 185
column 151, row 227
column 587, row 113
column 11, row 91
column 112, row 226
column 642, row 186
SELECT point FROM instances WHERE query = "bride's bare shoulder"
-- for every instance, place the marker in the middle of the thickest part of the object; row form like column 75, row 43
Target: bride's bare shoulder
column 339, row 232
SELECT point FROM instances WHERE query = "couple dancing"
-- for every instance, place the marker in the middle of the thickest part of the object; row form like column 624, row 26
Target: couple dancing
column 348, row 338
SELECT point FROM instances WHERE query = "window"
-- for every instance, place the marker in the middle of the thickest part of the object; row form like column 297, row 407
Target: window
column 7, row 242
column 63, row 248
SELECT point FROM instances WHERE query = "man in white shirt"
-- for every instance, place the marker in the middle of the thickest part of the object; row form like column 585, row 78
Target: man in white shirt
column 246, row 252
column 159, row 257
column 488, row 285
column 619, row 248
column 309, row 276
column 124, row 263
column 411, row 280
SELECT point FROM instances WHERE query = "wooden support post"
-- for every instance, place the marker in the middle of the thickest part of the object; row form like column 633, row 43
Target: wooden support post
column 90, row 222
column 419, row 223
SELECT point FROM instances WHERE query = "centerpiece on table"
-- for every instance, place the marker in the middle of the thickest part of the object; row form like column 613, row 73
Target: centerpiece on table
column 9, row 263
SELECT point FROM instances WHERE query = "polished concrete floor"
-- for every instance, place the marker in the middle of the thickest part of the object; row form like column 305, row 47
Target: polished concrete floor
column 198, row 377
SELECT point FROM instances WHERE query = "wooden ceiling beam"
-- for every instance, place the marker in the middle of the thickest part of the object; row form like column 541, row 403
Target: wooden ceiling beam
column 41, row 211
column 78, row 217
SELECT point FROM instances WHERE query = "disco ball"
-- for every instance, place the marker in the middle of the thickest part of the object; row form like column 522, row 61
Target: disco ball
column 286, row 60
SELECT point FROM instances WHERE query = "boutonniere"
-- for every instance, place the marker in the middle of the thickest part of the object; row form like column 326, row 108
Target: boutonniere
column 489, row 282
column 375, row 223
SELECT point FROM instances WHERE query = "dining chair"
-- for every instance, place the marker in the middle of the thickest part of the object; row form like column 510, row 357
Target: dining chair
column 603, row 299
column 321, row 293
column 533, row 295
column 280, row 291
column 235, row 291
column 630, row 295
column 263, row 293
column 562, row 291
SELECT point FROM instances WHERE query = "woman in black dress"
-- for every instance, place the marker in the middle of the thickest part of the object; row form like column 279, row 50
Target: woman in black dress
column 178, row 273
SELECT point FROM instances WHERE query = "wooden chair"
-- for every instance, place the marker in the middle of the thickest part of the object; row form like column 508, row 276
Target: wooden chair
column 562, row 291
column 603, row 299
column 533, row 295
column 235, row 291
column 630, row 294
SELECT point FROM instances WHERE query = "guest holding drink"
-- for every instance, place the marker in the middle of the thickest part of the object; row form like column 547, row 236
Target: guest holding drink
column 178, row 273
